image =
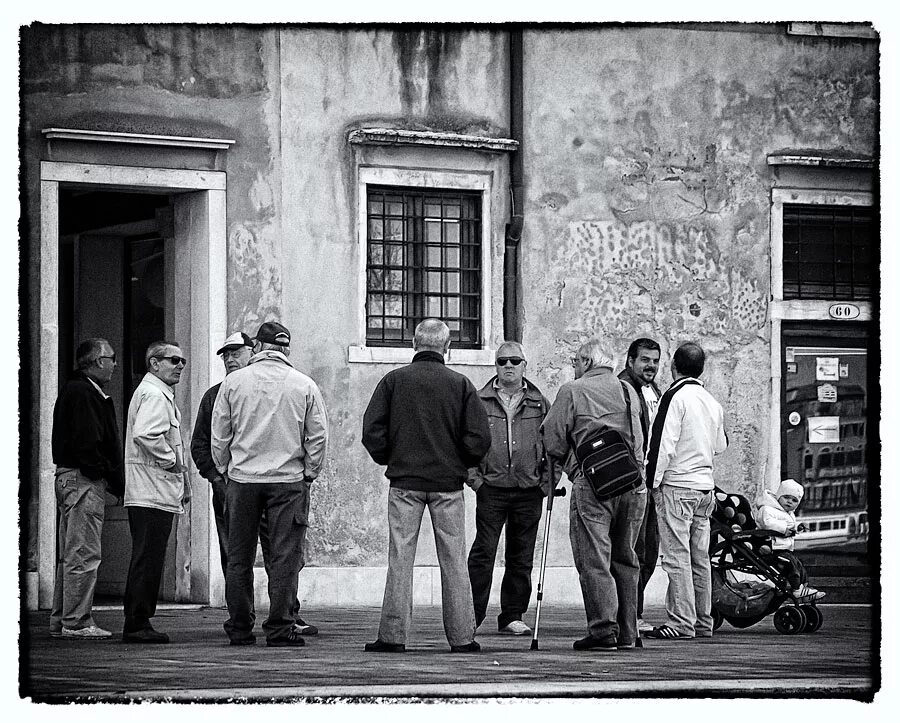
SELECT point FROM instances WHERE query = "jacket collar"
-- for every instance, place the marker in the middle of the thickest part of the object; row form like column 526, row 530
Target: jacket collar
column 270, row 355
column 488, row 391
column 432, row 356
column 680, row 382
column 626, row 376
column 157, row 382
column 596, row 372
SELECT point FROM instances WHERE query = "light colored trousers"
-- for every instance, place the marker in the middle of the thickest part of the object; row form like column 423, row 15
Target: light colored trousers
column 448, row 519
column 683, row 517
column 81, row 505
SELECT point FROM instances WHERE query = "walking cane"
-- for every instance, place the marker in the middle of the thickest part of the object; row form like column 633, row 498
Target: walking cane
column 553, row 492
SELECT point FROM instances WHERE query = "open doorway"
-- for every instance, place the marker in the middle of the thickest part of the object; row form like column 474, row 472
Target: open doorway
column 112, row 284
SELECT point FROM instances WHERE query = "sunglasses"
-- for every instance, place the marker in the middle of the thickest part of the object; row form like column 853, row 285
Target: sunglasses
column 174, row 360
column 112, row 356
column 502, row 361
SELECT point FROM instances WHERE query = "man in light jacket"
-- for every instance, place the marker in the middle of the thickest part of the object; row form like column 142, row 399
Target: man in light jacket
column 689, row 430
column 156, row 485
column 269, row 436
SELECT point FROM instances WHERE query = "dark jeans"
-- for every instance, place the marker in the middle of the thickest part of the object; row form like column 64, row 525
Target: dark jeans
column 647, row 548
column 287, row 508
column 219, row 505
column 150, row 530
column 789, row 565
column 520, row 510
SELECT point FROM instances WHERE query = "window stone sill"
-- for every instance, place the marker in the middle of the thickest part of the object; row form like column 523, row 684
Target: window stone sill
column 403, row 355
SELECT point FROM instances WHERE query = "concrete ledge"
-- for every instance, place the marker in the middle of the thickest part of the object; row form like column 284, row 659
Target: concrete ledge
column 348, row 586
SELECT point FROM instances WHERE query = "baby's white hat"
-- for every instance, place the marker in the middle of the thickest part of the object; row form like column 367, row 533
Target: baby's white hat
column 790, row 487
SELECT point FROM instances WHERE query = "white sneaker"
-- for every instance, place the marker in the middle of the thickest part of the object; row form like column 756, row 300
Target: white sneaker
column 807, row 592
column 91, row 632
column 644, row 627
column 516, row 627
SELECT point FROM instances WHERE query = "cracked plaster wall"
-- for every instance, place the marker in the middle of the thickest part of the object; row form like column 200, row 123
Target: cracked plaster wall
column 648, row 197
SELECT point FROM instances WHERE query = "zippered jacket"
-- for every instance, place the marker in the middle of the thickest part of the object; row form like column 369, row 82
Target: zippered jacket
column 514, row 459
column 85, row 433
column 155, row 467
column 269, row 423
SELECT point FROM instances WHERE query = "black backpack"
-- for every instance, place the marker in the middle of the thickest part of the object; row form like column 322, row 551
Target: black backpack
column 607, row 460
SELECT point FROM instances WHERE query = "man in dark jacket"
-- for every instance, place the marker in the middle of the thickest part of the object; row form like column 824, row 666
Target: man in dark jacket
column 87, row 452
column 641, row 366
column 508, row 484
column 426, row 423
column 235, row 352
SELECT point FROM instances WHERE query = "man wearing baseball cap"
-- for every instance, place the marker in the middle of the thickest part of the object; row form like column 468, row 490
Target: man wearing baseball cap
column 268, row 438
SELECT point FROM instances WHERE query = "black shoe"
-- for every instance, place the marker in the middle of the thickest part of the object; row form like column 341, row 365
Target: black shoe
column 589, row 642
column 304, row 628
column 379, row 646
column 472, row 647
column 147, row 635
column 291, row 640
column 622, row 645
column 251, row 640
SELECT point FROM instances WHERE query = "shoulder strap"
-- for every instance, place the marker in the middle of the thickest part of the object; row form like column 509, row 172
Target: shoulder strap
column 628, row 411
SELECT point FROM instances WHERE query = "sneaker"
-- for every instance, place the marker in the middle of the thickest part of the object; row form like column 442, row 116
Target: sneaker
column 291, row 640
column 379, row 646
column 644, row 627
column 91, row 632
column 589, row 642
column 472, row 647
column 625, row 646
column 807, row 592
column 147, row 635
column 664, row 632
column 516, row 627
column 301, row 627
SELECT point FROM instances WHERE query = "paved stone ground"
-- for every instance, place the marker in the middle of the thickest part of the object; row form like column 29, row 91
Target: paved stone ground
column 839, row 661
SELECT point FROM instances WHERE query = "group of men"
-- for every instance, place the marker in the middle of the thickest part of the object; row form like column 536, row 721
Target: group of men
column 260, row 439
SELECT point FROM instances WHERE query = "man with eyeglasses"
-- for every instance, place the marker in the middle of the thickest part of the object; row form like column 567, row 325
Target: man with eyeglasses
column 602, row 533
column 509, row 486
column 641, row 366
column 88, row 457
column 235, row 351
column 156, row 485
column 269, row 437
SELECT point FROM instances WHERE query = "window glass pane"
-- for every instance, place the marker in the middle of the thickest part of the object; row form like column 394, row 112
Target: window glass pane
column 393, row 280
column 433, row 208
column 434, row 256
column 395, row 206
column 433, row 232
column 452, row 282
column 376, row 254
column 452, row 257
column 376, row 204
column 376, row 229
column 434, row 280
column 451, row 232
column 451, row 209
column 393, row 255
column 395, row 229
column 393, row 305
column 433, row 306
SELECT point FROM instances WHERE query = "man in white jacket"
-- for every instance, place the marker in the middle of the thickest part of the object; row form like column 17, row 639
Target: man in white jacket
column 156, row 485
column 689, row 430
column 269, row 434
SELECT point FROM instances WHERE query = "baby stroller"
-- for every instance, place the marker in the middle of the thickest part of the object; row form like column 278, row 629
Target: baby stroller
column 747, row 585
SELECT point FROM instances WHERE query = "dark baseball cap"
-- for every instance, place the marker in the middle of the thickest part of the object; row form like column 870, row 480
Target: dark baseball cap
column 274, row 333
column 238, row 339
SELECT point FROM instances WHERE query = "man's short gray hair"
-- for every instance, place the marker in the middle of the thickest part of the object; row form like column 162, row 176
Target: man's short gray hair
column 431, row 335
column 592, row 351
column 89, row 351
column 284, row 349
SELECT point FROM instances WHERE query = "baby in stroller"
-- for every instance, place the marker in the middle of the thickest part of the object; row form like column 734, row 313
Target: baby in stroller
column 775, row 512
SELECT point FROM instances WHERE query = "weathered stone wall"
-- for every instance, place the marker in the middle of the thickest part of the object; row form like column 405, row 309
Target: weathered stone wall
column 648, row 196
column 647, row 191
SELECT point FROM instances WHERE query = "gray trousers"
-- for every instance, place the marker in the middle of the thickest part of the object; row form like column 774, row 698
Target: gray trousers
column 602, row 536
column 448, row 519
column 81, row 506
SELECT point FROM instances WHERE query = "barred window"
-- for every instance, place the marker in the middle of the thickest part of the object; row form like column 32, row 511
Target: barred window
column 424, row 260
column 829, row 252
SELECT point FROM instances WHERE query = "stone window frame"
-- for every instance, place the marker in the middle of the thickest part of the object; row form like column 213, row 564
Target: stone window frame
column 479, row 181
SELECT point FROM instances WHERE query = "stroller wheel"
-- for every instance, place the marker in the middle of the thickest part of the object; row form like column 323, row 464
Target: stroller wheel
column 814, row 618
column 789, row 620
column 717, row 618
